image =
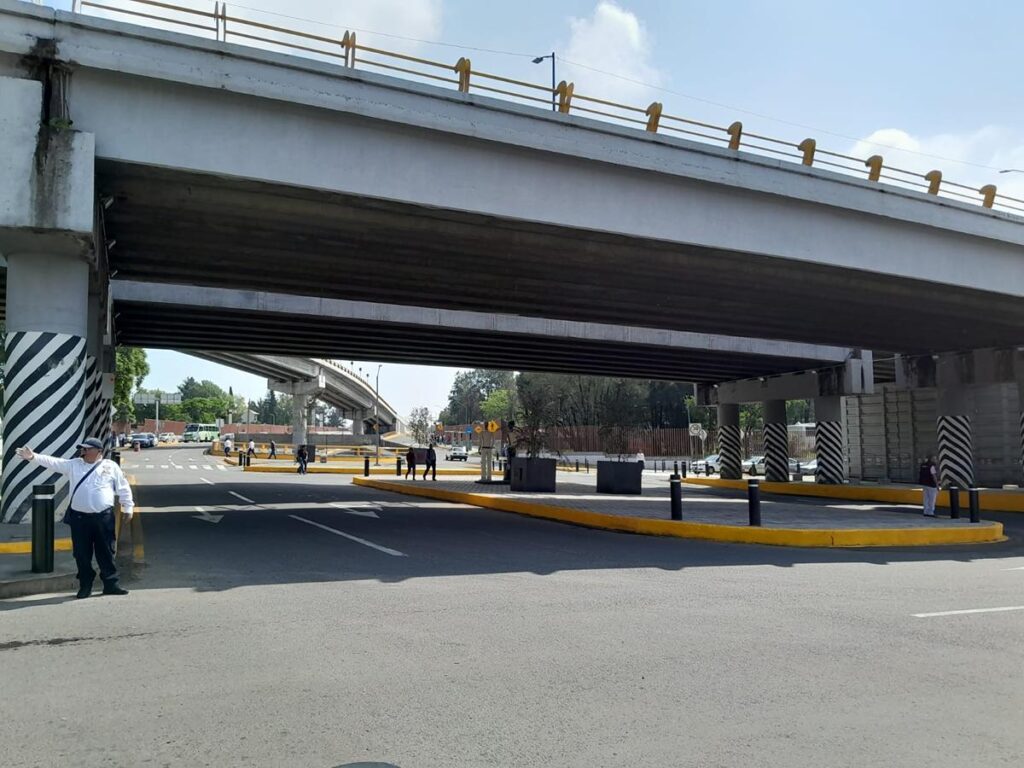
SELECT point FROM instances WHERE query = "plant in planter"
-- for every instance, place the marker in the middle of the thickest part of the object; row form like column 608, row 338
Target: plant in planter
column 530, row 472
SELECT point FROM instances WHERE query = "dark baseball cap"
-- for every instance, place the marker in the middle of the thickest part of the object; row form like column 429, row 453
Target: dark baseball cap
column 91, row 442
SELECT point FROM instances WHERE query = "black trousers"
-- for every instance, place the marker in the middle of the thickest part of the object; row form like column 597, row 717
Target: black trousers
column 93, row 534
column 431, row 467
column 410, row 468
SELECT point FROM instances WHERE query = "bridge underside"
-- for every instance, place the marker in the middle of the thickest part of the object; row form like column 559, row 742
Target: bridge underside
column 186, row 228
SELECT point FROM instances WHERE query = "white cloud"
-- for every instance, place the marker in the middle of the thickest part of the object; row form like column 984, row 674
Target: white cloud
column 612, row 39
column 967, row 158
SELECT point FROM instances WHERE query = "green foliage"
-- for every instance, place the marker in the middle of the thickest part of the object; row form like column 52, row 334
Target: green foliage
column 132, row 369
column 497, row 406
column 190, row 388
column 470, row 390
column 421, row 425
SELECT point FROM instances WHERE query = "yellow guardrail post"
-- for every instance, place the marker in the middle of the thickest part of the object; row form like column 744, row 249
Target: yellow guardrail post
column 653, row 113
column 464, row 67
column 348, row 44
column 807, row 146
column 934, row 180
column 564, row 91
column 989, row 195
column 735, row 132
column 874, row 164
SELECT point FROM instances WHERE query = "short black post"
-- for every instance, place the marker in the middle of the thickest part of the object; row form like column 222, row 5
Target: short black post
column 675, row 467
column 115, row 456
column 754, row 501
column 587, row 462
column 707, row 469
column 398, row 467
column 42, row 528
column 954, row 502
column 972, row 495
column 577, row 465
column 366, row 467
column 684, row 469
column 675, row 487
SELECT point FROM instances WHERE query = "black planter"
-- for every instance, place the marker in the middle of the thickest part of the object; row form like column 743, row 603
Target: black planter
column 533, row 475
column 619, row 477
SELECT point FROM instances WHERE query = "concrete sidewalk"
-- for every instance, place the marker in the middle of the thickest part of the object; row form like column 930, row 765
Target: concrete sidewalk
column 713, row 514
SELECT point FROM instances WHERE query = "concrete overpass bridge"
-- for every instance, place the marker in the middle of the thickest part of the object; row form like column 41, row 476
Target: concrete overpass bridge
column 177, row 192
column 319, row 378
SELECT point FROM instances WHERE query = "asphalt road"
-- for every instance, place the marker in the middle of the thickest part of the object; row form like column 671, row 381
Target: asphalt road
column 316, row 623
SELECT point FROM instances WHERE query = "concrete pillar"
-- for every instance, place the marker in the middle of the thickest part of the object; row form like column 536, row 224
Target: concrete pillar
column 300, row 419
column 44, row 377
column 729, row 453
column 776, row 441
column 955, row 435
column 828, row 440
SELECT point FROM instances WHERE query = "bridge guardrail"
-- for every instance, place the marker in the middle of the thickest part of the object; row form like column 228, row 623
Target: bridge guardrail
column 226, row 25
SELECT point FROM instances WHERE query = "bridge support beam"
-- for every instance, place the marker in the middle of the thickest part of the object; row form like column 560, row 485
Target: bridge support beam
column 304, row 393
column 729, row 453
column 953, row 426
column 828, row 440
column 776, row 442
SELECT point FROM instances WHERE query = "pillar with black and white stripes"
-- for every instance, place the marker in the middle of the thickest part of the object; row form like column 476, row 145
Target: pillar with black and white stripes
column 730, row 456
column 955, row 437
column 776, row 441
column 828, row 440
column 45, row 372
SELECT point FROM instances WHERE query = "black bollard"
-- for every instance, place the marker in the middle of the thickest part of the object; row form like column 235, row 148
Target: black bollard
column 366, row 467
column 707, row 469
column 675, row 467
column 115, row 456
column 675, row 488
column 398, row 467
column 587, row 462
column 954, row 502
column 42, row 528
column 577, row 465
column 684, row 469
column 972, row 495
column 754, row 501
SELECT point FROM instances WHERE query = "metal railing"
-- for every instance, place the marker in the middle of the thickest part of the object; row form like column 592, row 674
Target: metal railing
column 352, row 374
column 222, row 24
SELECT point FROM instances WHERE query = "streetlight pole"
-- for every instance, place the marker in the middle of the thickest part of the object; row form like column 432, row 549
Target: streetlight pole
column 376, row 413
column 1012, row 170
column 538, row 60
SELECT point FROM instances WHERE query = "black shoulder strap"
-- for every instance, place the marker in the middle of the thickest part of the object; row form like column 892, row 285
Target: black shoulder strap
column 78, row 485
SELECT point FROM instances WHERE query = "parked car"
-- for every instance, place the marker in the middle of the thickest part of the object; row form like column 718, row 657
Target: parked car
column 754, row 465
column 168, row 437
column 457, row 453
column 711, row 463
column 144, row 439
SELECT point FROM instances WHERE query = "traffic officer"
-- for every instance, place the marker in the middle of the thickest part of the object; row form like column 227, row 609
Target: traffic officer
column 94, row 481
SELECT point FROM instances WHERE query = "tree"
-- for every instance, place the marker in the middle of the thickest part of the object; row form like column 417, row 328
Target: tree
column 799, row 411
column 470, row 390
column 497, row 406
column 538, row 404
column 132, row 368
column 191, row 388
column 421, row 425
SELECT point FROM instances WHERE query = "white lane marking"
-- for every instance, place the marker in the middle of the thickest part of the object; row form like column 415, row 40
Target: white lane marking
column 208, row 482
column 364, row 542
column 240, row 496
column 206, row 516
column 1020, row 568
column 221, row 467
column 207, row 467
column 149, row 466
column 355, row 509
column 969, row 610
column 163, row 466
column 192, row 466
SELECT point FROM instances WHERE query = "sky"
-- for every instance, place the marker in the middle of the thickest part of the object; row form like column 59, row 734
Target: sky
column 927, row 84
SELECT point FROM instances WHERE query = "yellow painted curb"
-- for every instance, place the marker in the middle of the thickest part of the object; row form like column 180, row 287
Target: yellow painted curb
column 786, row 537
column 991, row 501
column 320, row 469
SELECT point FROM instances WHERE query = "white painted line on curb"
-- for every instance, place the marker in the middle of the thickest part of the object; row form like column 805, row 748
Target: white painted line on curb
column 1021, row 568
column 240, row 496
column 969, row 610
column 208, row 482
column 364, row 542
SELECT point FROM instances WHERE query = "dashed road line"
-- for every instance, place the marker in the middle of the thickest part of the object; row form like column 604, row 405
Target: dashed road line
column 208, row 482
column 964, row 612
column 364, row 542
column 240, row 496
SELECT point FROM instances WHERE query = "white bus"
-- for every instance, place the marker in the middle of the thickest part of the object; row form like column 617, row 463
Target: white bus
column 201, row 433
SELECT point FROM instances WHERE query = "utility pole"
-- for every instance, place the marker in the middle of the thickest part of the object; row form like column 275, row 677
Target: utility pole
column 376, row 413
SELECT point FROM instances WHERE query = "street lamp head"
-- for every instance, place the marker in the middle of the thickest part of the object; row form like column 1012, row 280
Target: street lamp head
column 539, row 59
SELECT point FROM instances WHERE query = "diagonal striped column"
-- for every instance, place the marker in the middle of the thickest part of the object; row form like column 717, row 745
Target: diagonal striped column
column 730, row 453
column 956, row 453
column 44, row 398
column 828, row 445
column 776, row 452
column 93, row 416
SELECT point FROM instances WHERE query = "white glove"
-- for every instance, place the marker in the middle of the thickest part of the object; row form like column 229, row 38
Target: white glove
column 26, row 453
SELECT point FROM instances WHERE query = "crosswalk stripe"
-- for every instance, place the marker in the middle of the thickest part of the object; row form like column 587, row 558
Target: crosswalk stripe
column 163, row 466
column 221, row 468
column 192, row 466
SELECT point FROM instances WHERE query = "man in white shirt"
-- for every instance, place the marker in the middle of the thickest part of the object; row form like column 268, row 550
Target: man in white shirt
column 93, row 481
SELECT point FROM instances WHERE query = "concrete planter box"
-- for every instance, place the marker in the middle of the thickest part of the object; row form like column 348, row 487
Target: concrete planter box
column 621, row 477
column 533, row 475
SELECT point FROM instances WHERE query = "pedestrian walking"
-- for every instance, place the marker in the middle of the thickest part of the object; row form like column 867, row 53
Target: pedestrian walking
column 94, row 482
column 273, row 450
column 302, row 456
column 252, row 448
column 928, row 477
column 431, row 465
column 410, row 463
column 228, row 445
